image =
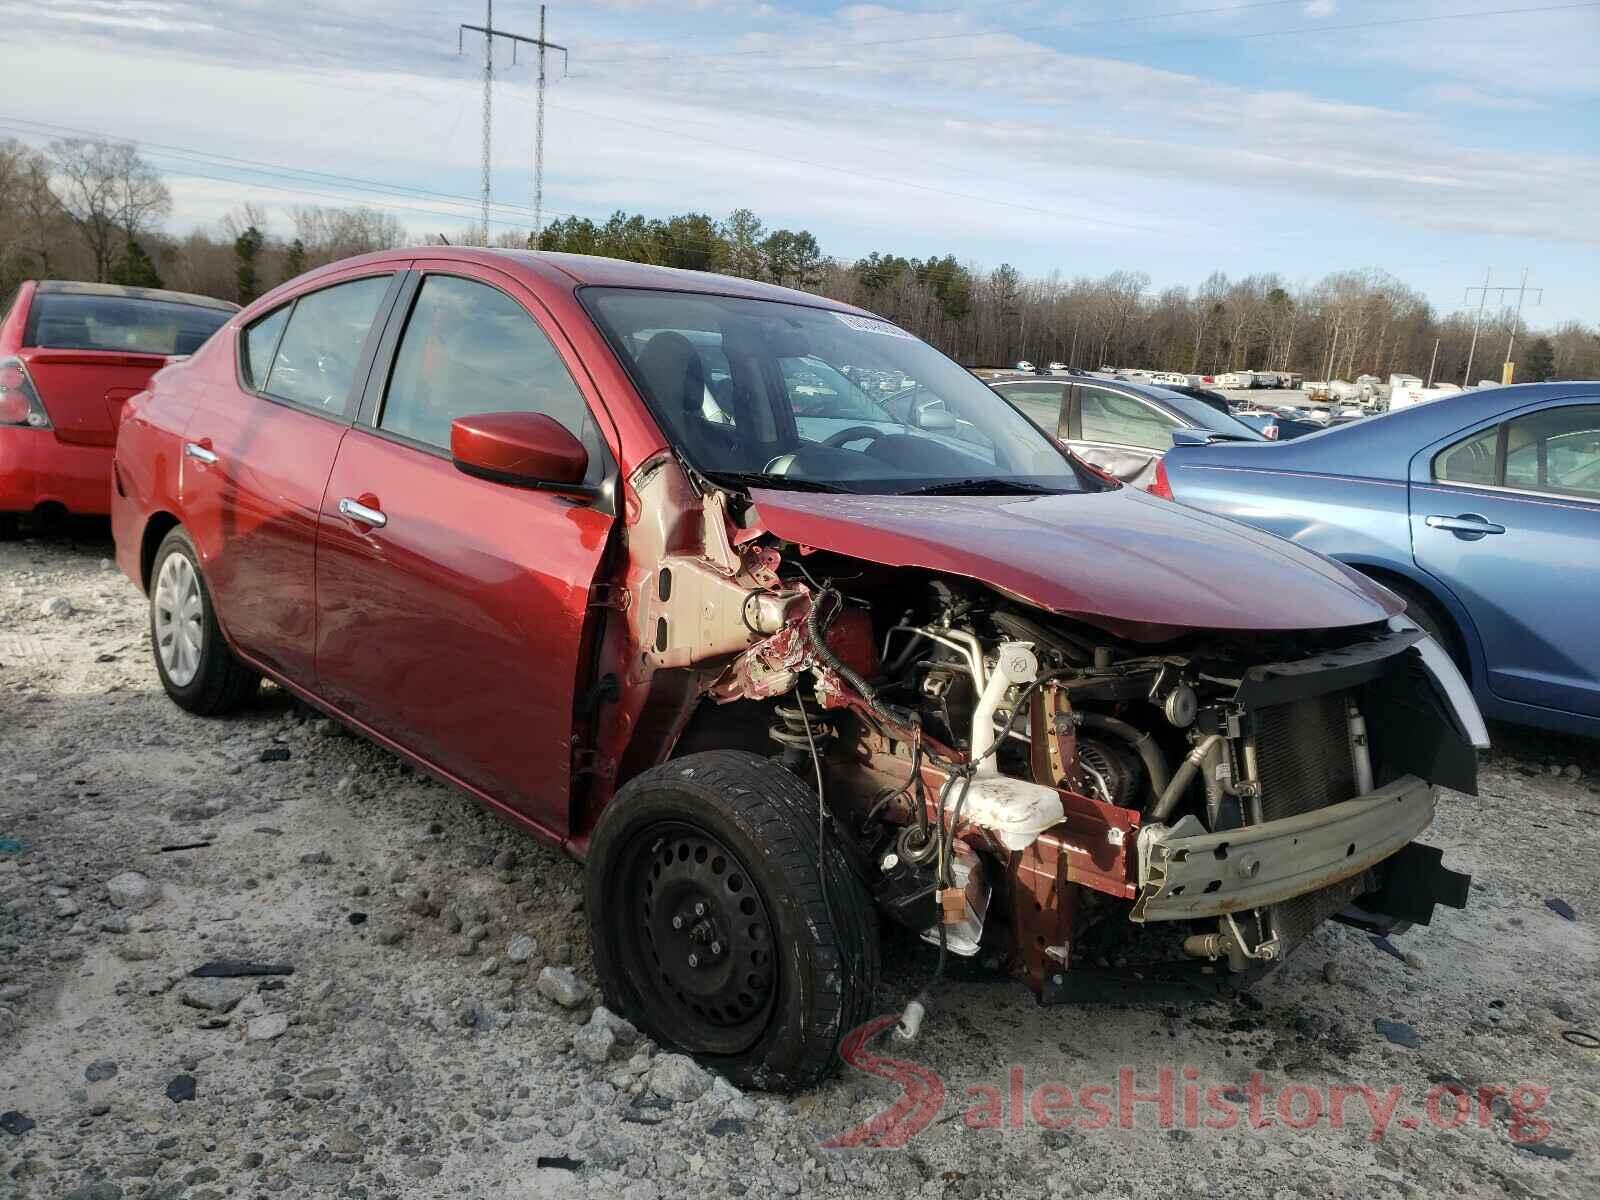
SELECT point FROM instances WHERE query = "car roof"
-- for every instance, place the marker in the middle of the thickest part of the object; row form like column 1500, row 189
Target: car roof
column 67, row 287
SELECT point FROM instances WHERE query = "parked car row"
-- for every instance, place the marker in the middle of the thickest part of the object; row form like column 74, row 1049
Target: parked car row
column 633, row 557
column 71, row 354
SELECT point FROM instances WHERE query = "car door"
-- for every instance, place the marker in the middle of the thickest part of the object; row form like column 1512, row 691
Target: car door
column 257, row 452
column 452, row 610
column 1507, row 515
column 1119, row 432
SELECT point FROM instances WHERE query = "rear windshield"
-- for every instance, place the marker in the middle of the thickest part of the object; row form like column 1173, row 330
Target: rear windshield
column 62, row 321
column 1206, row 416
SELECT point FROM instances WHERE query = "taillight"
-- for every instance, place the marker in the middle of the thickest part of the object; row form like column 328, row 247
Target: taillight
column 19, row 403
column 1161, row 485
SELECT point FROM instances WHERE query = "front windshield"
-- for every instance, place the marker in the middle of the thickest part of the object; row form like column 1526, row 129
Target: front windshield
column 784, row 395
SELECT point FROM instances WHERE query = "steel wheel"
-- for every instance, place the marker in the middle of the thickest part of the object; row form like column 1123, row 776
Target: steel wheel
column 179, row 619
column 696, row 936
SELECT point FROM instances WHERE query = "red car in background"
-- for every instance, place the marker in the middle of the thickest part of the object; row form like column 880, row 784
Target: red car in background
column 642, row 560
column 70, row 356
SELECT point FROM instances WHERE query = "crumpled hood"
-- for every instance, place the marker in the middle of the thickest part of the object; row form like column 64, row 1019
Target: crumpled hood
column 1136, row 565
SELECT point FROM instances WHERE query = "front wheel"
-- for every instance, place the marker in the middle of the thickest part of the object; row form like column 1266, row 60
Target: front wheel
column 719, row 928
column 196, row 666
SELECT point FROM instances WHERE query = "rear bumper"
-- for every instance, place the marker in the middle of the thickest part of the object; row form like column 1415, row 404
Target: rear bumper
column 37, row 469
column 1187, row 873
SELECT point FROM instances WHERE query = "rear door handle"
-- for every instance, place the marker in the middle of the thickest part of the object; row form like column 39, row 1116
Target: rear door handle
column 1469, row 525
column 358, row 511
column 199, row 452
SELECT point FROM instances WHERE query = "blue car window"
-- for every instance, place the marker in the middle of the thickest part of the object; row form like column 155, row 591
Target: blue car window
column 1557, row 450
column 1469, row 461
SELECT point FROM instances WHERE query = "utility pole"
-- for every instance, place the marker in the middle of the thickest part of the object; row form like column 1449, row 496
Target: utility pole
column 1433, row 362
column 489, row 34
column 1509, row 366
column 1473, row 349
column 1501, row 292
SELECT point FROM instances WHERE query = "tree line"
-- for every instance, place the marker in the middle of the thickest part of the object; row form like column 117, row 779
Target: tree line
column 94, row 210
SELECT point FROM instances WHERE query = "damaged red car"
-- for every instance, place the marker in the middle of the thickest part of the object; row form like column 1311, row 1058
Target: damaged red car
column 790, row 628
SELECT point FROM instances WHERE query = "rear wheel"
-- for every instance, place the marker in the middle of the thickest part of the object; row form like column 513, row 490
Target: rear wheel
column 718, row 928
column 196, row 667
column 10, row 527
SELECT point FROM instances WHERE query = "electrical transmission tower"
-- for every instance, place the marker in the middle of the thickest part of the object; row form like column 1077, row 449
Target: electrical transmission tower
column 1483, row 291
column 489, row 34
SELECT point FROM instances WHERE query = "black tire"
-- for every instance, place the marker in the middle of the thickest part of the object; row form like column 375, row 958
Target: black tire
column 221, row 684
column 771, row 1021
column 10, row 527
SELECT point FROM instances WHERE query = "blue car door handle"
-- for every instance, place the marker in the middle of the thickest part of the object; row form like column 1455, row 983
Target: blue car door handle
column 1468, row 526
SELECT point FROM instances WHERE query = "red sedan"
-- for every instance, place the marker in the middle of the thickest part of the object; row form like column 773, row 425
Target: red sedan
column 70, row 356
column 659, row 566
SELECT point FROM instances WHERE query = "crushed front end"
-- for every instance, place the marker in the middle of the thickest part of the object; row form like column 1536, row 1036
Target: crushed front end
column 1028, row 784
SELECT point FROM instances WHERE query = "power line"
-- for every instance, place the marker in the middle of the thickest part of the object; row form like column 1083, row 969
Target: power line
column 489, row 34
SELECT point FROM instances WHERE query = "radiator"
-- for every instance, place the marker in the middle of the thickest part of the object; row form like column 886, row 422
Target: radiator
column 1303, row 762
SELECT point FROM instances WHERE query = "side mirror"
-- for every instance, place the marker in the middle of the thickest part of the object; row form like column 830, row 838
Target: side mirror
column 932, row 414
column 522, row 448
column 1192, row 437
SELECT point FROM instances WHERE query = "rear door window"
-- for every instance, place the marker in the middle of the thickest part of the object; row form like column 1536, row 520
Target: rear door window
column 1039, row 402
column 1123, row 420
column 1557, row 450
column 469, row 349
column 321, row 349
column 130, row 324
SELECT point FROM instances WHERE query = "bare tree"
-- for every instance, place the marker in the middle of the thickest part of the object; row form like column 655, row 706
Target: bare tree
column 112, row 195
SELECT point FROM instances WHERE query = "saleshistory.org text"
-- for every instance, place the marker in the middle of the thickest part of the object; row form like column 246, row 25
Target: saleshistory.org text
column 1178, row 1097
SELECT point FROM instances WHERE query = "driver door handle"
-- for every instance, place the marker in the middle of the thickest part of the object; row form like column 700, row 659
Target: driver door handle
column 357, row 511
column 199, row 452
column 1466, row 523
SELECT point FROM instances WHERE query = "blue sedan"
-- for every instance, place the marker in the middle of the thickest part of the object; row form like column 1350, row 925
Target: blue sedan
column 1482, row 510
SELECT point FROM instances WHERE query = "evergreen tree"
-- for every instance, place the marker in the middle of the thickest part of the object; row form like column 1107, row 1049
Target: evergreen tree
column 246, row 249
column 134, row 268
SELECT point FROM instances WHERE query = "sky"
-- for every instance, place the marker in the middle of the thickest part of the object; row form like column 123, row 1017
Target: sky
column 1433, row 139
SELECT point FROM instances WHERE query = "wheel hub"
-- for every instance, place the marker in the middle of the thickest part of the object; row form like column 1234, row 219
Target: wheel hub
column 705, row 930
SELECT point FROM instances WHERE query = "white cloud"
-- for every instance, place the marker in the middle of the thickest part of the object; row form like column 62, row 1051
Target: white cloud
column 1321, row 8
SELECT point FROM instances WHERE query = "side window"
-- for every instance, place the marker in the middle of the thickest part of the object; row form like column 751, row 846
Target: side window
column 1111, row 417
column 261, row 343
column 1469, row 461
column 469, row 348
column 318, row 354
column 1557, row 450
column 1039, row 402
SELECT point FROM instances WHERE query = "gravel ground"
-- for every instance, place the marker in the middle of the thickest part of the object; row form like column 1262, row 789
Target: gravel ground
column 436, row 1036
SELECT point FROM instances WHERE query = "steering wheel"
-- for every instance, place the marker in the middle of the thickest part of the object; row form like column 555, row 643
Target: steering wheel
column 854, row 434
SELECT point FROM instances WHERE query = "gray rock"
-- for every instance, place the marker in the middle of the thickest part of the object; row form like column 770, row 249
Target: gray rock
column 66, row 908
column 622, row 1029
column 117, row 922
column 100, row 1070
column 521, row 948
column 505, row 860
column 678, row 1077
column 57, row 606
column 388, row 935
column 132, row 890
column 266, row 1028
column 213, row 995
column 562, row 986
column 13, row 991
column 594, row 1041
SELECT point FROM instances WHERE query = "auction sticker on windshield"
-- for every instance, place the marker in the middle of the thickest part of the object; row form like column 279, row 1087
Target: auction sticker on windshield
column 873, row 325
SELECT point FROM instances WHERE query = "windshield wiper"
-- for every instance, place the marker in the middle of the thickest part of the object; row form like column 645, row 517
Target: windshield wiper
column 750, row 479
column 982, row 487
